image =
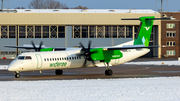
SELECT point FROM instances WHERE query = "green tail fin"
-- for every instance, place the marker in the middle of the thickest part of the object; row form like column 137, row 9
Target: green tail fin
column 144, row 34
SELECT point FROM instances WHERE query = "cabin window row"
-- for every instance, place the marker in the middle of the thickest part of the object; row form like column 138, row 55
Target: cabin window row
column 63, row 58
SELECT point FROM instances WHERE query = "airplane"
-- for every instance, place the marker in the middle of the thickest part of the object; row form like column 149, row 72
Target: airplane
column 47, row 58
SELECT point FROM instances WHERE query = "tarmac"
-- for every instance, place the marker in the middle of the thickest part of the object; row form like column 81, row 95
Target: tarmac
column 119, row 71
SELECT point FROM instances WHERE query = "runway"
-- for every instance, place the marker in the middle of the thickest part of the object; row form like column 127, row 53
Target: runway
column 120, row 71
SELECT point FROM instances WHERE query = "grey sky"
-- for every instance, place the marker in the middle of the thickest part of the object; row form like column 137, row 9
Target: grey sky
column 171, row 5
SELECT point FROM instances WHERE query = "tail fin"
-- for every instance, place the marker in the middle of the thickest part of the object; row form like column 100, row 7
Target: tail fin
column 144, row 34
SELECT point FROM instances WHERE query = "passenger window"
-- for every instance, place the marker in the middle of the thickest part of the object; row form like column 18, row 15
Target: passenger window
column 72, row 58
column 67, row 58
column 44, row 59
column 52, row 59
column 47, row 59
column 75, row 58
column 64, row 58
column 57, row 58
column 79, row 57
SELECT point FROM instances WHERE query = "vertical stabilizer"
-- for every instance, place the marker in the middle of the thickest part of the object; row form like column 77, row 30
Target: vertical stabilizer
column 144, row 34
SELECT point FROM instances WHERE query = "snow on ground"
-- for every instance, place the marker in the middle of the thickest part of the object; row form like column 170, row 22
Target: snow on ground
column 169, row 63
column 129, row 89
column 3, row 67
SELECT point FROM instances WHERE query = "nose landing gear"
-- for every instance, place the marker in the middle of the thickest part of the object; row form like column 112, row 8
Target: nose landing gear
column 17, row 75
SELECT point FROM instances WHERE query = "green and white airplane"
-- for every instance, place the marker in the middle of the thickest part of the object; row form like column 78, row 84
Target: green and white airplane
column 47, row 59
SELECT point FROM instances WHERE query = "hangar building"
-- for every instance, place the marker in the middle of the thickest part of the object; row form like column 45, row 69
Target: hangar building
column 67, row 27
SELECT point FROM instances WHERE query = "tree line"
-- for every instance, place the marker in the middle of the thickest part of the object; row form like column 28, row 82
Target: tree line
column 49, row 4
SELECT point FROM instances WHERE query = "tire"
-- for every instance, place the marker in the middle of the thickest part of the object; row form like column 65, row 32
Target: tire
column 59, row 72
column 108, row 72
column 17, row 75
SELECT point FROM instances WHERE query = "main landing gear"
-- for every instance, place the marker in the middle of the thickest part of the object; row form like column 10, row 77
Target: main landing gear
column 59, row 72
column 108, row 71
column 17, row 75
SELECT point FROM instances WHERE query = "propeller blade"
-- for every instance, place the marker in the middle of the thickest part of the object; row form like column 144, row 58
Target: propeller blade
column 89, row 45
column 34, row 46
column 84, row 65
column 93, row 62
column 83, row 48
column 40, row 45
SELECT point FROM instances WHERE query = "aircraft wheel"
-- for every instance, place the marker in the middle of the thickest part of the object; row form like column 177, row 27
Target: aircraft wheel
column 17, row 75
column 109, row 72
column 59, row 72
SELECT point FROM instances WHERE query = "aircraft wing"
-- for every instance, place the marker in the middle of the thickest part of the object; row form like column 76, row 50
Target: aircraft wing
column 23, row 47
column 130, row 47
column 31, row 47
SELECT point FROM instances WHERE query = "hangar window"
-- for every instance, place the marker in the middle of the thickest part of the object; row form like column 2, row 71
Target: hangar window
column 4, row 31
column 84, row 31
column 76, row 31
column 92, row 31
column 61, row 31
column 37, row 31
column 114, row 31
column 107, row 31
column 45, row 31
column 53, row 32
column 22, row 32
column 12, row 31
column 136, row 31
column 121, row 32
column 128, row 31
column 30, row 31
column 100, row 31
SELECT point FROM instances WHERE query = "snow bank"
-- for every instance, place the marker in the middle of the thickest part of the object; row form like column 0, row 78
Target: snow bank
column 3, row 67
column 133, row 89
column 169, row 63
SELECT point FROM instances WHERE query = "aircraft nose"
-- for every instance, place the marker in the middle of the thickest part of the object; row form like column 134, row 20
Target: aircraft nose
column 11, row 68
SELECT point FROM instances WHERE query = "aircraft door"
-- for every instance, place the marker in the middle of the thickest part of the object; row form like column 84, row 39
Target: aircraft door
column 39, row 61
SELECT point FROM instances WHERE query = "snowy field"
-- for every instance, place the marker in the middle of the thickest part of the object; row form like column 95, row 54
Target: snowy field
column 127, row 89
column 132, row 89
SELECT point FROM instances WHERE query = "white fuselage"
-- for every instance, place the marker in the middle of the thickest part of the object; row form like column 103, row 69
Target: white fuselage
column 54, row 60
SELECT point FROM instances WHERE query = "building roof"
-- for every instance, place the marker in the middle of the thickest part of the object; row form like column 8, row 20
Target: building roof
column 80, row 11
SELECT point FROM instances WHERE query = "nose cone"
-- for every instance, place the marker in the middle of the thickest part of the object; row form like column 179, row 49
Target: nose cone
column 11, row 68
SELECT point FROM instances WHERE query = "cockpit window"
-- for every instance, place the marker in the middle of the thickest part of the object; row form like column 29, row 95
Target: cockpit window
column 28, row 57
column 21, row 57
column 24, row 57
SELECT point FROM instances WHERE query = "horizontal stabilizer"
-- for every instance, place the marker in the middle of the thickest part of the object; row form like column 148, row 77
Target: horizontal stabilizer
column 150, row 19
column 134, row 47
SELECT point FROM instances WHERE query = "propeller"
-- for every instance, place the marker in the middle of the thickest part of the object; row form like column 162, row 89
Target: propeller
column 35, row 48
column 87, row 53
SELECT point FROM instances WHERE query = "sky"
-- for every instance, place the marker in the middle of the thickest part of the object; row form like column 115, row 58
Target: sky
column 168, row 5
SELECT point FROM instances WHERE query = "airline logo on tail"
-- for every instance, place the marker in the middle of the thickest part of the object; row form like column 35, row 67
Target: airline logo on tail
column 147, row 28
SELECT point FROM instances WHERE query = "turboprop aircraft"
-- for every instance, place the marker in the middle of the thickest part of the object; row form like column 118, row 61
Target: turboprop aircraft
column 46, row 58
